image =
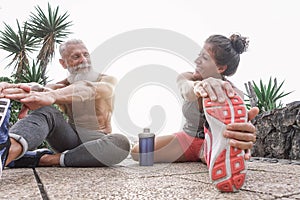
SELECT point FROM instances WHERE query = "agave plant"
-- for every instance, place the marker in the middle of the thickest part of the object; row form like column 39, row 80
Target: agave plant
column 268, row 96
column 33, row 74
column 51, row 29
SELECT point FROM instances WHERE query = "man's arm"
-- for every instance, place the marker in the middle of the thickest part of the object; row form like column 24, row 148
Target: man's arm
column 58, row 85
column 79, row 91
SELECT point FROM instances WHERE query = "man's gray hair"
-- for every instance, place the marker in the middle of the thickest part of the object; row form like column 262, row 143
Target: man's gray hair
column 64, row 45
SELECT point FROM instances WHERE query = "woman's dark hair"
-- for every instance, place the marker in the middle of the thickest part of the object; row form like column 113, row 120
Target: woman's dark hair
column 227, row 51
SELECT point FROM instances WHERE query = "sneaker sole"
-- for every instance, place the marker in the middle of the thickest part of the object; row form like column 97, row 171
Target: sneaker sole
column 227, row 166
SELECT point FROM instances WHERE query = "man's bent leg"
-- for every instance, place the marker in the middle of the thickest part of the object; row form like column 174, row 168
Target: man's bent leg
column 46, row 123
column 109, row 150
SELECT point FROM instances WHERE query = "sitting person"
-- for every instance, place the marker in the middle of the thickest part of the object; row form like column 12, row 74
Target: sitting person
column 85, row 138
column 207, row 143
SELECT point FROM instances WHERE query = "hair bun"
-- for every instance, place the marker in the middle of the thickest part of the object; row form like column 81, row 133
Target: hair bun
column 239, row 43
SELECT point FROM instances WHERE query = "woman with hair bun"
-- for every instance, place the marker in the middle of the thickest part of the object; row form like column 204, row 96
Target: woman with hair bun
column 217, row 129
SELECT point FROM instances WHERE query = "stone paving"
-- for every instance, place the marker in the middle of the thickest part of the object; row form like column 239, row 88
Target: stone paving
column 266, row 179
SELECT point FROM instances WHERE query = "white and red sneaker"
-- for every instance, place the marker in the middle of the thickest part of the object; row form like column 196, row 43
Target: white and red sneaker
column 226, row 164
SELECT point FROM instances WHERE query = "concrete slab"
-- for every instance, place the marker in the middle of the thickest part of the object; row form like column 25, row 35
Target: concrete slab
column 159, row 169
column 274, row 167
column 162, row 181
column 19, row 184
column 278, row 184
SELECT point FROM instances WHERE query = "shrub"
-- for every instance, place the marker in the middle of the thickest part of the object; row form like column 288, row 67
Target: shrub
column 265, row 97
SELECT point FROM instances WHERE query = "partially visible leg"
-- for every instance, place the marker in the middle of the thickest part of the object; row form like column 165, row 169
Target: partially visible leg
column 14, row 151
column 179, row 147
column 50, row 160
column 167, row 149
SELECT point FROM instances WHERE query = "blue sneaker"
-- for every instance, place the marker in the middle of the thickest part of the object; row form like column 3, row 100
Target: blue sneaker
column 30, row 159
column 4, row 139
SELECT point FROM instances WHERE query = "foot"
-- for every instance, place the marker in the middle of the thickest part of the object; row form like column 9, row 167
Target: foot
column 30, row 159
column 227, row 167
column 4, row 139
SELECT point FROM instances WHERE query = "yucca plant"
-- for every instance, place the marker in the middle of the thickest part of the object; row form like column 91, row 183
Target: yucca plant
column 268, row 96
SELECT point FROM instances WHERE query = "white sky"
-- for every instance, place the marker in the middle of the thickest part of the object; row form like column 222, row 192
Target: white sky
column 271, row 25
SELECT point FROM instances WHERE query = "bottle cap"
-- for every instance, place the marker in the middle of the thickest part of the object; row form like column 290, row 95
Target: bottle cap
column 146, row 133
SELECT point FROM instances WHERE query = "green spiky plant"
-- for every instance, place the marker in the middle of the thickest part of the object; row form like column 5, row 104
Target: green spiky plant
column 33, row 74
column 51, row 28
column 18, row 44
column 268, row 95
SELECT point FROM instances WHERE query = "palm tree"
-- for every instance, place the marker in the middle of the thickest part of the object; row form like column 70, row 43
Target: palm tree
column 51, row 29
column 19, row 44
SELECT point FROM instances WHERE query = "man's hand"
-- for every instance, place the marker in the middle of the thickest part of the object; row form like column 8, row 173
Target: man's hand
column 33, row 100
column 10, row 88
column 7, row 89
column 242, row 135
column 214, row 89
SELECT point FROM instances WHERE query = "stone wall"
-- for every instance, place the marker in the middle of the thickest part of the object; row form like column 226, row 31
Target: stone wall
column 278, row 133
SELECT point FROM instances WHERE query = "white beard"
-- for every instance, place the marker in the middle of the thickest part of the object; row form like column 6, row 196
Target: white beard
column 79, row 74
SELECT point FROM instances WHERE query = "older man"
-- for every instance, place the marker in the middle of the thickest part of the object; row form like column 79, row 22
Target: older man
column 82, row 137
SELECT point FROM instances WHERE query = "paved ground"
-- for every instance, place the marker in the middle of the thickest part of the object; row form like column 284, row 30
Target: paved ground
column 265, row 180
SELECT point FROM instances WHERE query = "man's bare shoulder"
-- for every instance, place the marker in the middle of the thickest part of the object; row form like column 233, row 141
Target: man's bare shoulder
column 108, row 79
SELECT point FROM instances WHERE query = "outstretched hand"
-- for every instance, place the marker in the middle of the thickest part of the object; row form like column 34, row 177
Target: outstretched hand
column 243, row 135
column 10, row 88
column 22, row 92
column 214, row 89
column 7, row 89
column 33, row 100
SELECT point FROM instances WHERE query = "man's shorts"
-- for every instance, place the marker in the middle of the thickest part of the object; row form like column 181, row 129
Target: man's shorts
column 191, row 146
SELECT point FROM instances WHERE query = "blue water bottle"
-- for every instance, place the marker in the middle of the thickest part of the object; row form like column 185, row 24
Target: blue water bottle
column 146, row 147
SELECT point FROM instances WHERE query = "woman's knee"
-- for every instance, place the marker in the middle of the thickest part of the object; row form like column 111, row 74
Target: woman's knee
column 135, row 152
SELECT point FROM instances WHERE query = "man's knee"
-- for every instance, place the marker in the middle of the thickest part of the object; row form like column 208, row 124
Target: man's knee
column 122, row 146
column 122, row 141
column 45, row 109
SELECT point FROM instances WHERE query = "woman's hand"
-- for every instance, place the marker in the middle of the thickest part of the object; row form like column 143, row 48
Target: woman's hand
column 242, row 135
column 215, row 89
